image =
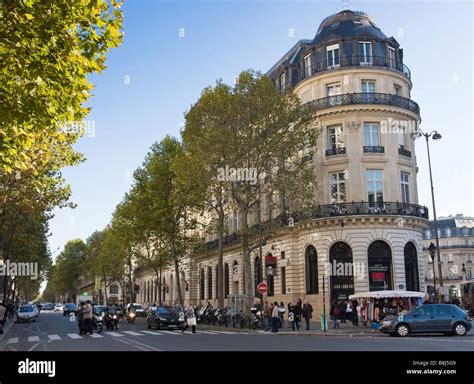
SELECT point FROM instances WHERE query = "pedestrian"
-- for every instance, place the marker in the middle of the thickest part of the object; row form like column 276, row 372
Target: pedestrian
column 307, row 313
column 87, row 313
column 190, row 319
column 3, row 316
column 355, row 314
column 275, row 317
column 297, row 316
column 80, row 318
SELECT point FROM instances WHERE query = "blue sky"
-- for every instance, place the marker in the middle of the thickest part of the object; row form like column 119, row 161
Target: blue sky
column 156, row 74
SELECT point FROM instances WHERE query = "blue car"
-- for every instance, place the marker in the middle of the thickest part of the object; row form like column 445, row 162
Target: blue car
column 431, row 318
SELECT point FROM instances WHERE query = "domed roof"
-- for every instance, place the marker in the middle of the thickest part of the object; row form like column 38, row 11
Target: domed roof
column 347, row 23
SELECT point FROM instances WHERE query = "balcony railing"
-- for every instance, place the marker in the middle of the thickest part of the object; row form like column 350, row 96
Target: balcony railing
column 334, row 210
column 365, row 98
column 404, row 152
column 335, row 151
column 374, row 149
column 385, row 62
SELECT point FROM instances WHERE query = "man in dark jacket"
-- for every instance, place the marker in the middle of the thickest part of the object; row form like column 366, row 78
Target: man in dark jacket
column 307, row 313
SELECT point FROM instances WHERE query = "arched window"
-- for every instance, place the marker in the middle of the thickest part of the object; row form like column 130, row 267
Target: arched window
column 311, row 270
column 411, row 267
column 217, row 281
column 227, row 280
column 380, row 266
column 341, row 272
column 201, row 285
column 257, row 274
column 209, row 282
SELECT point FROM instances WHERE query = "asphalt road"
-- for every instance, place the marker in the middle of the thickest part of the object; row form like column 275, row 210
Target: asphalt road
column 54, row 332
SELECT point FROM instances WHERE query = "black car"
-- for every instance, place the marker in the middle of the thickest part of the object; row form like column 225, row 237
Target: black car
column 163, row 317
column 431, row 318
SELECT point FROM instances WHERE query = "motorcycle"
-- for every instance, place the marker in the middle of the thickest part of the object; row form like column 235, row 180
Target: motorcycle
column 131, row 317
column 111, row 320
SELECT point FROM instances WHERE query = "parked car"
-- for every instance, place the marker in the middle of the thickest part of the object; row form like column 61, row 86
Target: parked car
column 164, row 317
column 48, row 307
column 26, row 313
column 431, row 318
column 69, row 308
column 58, row 307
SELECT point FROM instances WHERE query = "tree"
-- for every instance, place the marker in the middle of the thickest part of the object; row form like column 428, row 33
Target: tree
column 254, row 128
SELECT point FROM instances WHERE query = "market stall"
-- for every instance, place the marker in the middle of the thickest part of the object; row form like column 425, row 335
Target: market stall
column 374, row 306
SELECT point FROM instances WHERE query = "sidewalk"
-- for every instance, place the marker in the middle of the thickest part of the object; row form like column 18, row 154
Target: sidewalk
column 8, row 324
column 345, row 329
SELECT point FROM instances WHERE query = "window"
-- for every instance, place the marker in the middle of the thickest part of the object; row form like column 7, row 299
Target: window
column 448, row 232
column 335, row 137
column 209, row 282
column 113, row 290
column 371, row 134
column 428, row 234
column 405, row 183
column 365, row 52
column 391, row 57
column 401, row 139
column 333, row 89
column 283, row 280
column 311, row 269
column 235, row 221
column 469, row 272
column 368, row 86
column 227, row 280
column 283, row 81
column 337, row 187
column 201, row 285
column 235, row 268
column 307, row 65
column 450, row 258
column 398, row 89
column 374, row 186
column 411, row 267
column 333, row 55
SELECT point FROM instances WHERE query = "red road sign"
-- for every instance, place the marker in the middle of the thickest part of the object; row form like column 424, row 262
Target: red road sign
column 262, row 288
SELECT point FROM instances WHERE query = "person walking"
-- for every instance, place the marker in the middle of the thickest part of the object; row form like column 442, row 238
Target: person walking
column 307, row 313
column 87, row 313
column 275, row 317
column 190, row 319
column 3, row 316
column 80, row 318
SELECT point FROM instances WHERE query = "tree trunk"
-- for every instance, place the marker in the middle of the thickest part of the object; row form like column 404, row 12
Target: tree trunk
column 130, row 282
column 246, row 264
column 176, row 270
column 220, row 262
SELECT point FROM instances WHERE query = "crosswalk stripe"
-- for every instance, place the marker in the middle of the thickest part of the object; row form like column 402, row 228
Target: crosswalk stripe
column 74, row 336
column 172, row 333
column 12, row 340
column 114, row 334
column 32, row 339
column 132, row 333
column 209, row 332
column 54, row 337
column 152, row 333
column 96, row 336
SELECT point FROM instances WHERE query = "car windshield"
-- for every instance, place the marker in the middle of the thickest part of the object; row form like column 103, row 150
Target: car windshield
column 26, row 308
column 70, row 306
column 166, row 311
column 135, row 307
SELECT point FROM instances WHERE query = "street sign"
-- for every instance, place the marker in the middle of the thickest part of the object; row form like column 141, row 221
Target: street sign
column 262, row 288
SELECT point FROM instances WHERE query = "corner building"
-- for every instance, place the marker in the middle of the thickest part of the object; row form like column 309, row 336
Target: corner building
column 366, row 232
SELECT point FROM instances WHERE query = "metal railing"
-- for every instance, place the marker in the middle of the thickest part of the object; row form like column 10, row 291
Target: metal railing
column 365, row 98
column 336, row 151
column 404, row 152
column 374, row 149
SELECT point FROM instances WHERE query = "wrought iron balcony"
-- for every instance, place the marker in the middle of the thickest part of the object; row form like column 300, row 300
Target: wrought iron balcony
column 374, row 149
column 343, row 61
column 404, row 152
column 365, row 98
column 336, row 151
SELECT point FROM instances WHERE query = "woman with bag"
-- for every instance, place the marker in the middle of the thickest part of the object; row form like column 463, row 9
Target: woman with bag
column 190, row 319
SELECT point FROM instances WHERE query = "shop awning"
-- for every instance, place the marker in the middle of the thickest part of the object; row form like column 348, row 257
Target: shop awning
column 386, row 294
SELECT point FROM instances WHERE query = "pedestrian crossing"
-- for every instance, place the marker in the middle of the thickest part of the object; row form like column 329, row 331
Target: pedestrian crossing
column 116, row 334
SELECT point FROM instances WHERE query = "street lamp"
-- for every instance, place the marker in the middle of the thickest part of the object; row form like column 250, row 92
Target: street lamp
column 436, row 137
column 432, row 250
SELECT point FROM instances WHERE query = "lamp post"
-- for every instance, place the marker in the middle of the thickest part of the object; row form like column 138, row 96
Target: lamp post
column 436, row 137
column 432, row 250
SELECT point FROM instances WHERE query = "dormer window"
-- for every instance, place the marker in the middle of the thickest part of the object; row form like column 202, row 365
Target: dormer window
column 307, row 65
column 283, row 81
column 333, row 55
column 365, row 52
column 392, row 61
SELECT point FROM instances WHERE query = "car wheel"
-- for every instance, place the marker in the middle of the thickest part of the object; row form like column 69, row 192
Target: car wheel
column 460, row 329
column 402, row 330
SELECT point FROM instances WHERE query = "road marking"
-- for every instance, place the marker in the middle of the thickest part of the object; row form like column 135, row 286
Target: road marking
column 33, row 347
column 132, row 333
column 96, row 336
column 114, row 334
column 148, row 347
column 209, row 332
column 172, row 333
column 74, row 336
column 133, row 345
column 32, row 339
column 12, row 340
column 54, row 337
column 152, row 333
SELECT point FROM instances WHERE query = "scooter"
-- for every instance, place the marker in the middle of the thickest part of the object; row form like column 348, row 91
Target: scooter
column 111, row 320
column 131, row 317
column 97, row 323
